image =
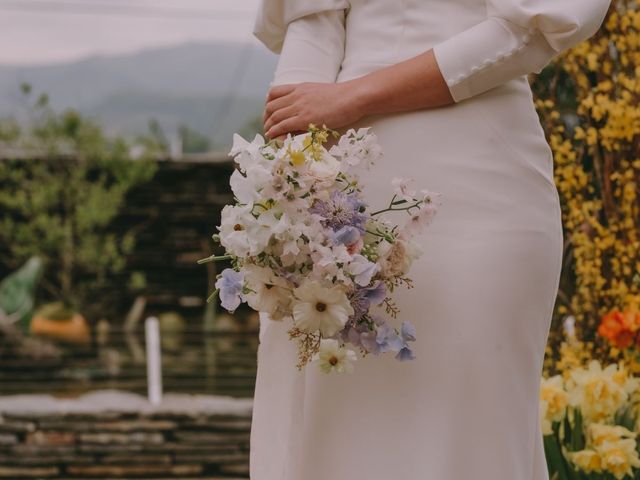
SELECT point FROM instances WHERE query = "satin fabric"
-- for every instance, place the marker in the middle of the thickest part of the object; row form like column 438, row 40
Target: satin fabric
column 484, row 291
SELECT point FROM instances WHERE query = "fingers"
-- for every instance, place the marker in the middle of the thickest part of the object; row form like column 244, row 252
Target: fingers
column 280, row 90
column 278, row 116
column 291, row 124
column 277, row 104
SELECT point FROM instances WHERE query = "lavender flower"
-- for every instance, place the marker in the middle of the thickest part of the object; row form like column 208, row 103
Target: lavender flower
column 407, row 334
column 231, row 284
column 388, row 339
column 342, row 209
column 376, row 293
column 363, row 298
column 405, row 354
column 346, row 235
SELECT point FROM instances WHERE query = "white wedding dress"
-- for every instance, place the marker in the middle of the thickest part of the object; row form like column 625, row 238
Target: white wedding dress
column 467, row 407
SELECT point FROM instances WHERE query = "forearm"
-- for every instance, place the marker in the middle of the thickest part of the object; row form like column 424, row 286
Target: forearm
column 412, row 84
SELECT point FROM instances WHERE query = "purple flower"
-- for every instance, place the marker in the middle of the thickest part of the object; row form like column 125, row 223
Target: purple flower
column 369, row 341
column 407, row 334
column 230, row 285
column 388, row 339
column 376, row 293
column 408, row 331
column 346, row 235
column 342, row 209
column 363, row 298
column 405, row 354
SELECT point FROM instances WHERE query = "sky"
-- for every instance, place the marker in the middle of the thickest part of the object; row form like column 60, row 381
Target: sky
column 52, row 31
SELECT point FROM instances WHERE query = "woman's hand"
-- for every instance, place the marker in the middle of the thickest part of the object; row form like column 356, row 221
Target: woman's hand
column 291, row 108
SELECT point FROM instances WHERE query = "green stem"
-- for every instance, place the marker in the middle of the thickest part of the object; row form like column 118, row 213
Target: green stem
column 391, row 209
column 214, row 258
column 212, row 296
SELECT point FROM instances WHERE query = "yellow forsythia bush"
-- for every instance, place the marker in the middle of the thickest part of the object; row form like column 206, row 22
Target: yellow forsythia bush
column 589, row 104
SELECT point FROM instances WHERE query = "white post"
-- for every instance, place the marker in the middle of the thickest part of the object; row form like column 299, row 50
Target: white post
column 154, row 360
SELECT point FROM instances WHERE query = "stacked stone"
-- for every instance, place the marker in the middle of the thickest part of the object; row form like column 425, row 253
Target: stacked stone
column 121, row 444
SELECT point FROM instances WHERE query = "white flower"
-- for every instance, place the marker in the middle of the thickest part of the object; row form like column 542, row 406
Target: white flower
column 362, row 270
column 333, row 357
column 402, row 189
column 268, row 293
column 246, row 154
column 316, row 307
column 246, row 187
column 236, row 221
column 355, row 149
column 420, row 218
column 324, row 170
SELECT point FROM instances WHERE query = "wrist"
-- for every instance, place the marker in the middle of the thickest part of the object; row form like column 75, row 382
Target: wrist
column 361, row 92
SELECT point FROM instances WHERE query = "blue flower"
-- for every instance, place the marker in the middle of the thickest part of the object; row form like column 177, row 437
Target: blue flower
column 376, row 293
column 408, row 331
column 230, row 284
column 407, row 334
column 405, row 354
column 346, row 235
column 388, row 339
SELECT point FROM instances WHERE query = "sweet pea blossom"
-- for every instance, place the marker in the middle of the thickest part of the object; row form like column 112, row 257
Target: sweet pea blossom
column 231, row 285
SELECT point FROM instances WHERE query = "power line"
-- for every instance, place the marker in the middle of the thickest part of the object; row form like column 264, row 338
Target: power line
column 137, row 11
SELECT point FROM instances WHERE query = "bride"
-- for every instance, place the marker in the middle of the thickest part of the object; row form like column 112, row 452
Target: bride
column 443, row 85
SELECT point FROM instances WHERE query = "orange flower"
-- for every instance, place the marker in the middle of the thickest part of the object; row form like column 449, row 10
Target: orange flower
column 619, row 328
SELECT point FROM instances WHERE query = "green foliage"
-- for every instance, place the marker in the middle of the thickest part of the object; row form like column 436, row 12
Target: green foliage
column 193, row 141
column 17, row 293
column 63, row 184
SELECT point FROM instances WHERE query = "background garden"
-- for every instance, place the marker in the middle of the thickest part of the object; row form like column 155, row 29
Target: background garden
column 106, row 205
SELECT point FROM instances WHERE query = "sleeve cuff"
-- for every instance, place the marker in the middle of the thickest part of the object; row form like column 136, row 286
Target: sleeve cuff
column 488, row 54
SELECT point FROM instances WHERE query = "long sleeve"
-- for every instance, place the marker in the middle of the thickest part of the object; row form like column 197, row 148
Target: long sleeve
column 303, row 57
column 517, row 38
column 274, row 17
column 309, row 35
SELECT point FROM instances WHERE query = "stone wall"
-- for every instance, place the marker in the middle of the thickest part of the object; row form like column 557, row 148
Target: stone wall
column 112, row 434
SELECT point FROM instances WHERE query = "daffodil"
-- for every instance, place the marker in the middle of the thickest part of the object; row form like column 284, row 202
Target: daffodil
column 553, row 402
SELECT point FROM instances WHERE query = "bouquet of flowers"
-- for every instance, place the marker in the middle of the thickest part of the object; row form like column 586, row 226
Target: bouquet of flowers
column 305, row 247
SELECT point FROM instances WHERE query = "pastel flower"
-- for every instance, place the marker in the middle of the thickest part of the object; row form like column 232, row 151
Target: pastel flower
column 397, row 257
column 357, row 148
column 332, row 357
column 419, row 218
column 362, row 270
column 610, row 448
column 267, row 292
column 388, row 339
column 341, row 209
column 619, row 458
column 553, row 402
column 376, row 293
column 230, row 286
column 587, row 460
column 598, row 392
column 235, row 223
column 407, row 334
column 401, row 187
column 318, row 308
column 346, row 235
column 247, row 153
column 405, row 354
